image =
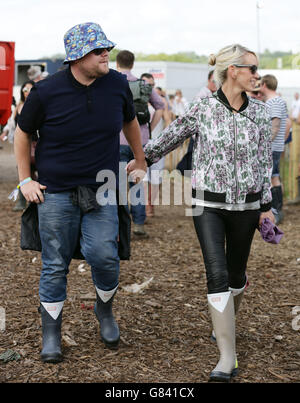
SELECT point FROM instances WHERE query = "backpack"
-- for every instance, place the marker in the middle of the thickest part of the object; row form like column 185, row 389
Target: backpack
column 141, row 92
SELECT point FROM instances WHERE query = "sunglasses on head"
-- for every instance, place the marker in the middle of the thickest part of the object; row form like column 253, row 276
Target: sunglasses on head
column 252, row 67
column 98, row 51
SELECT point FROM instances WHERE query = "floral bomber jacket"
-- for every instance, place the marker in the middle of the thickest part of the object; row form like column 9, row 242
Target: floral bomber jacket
column 232, row 153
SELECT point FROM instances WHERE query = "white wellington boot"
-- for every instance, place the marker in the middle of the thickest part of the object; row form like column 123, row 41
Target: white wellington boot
column 221, row 307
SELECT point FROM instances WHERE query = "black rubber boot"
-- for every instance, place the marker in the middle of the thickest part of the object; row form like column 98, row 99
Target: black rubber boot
column 109, row 329
column 277, row 203
column 51, row 328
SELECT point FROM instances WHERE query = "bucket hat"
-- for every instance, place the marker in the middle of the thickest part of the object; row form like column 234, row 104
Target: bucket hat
column 83, row 38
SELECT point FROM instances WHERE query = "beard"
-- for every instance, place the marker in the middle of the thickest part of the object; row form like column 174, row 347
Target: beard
column 89, row 72
column 101, row 70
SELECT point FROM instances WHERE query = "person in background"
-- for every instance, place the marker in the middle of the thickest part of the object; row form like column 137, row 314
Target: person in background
column 278, row 113
column 10, row 126
column 180, row 104
column 44, row 74
column 125, row 63
column 35, row 73
column 231, row 184
column 256, row 93
column 167, row 116
column 209, row 89
column 171, row 101
column 153, row 178
column 295, row 108
column 9, row 131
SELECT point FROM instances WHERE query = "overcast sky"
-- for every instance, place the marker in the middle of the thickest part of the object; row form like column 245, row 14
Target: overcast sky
column 152, row 26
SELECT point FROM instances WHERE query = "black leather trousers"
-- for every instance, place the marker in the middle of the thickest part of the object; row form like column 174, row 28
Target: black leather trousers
column 225, row 238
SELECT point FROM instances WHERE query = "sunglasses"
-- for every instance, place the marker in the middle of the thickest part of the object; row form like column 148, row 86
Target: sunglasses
column 26, row 89
column 252, row 67
column 98, row 52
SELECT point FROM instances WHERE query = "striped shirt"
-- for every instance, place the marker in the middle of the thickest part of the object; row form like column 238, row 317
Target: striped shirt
column 278, row 109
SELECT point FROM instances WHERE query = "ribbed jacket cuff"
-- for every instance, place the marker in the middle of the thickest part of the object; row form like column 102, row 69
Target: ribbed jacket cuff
column 149, row 163
column 265, row 207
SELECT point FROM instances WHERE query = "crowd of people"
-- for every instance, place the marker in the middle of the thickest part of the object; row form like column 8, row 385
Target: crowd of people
column 237, row 125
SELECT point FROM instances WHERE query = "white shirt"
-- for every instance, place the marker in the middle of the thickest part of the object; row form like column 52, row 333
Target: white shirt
column 295, row 110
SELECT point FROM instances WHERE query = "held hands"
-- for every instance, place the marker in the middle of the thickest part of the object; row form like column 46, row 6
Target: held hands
column 136, row 169
column 267, row 214
column 32, row 191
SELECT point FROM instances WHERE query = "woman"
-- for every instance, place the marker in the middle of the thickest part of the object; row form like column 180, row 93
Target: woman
column 231, row 181
column 9, row 129
column 24, row 92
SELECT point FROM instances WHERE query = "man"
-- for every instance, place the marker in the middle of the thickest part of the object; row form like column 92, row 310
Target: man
column 35, row 73
column 79, row 113
column 295, row 108
column 209, row 89
column 278, row 113
column 256, row 93
column 125, row 62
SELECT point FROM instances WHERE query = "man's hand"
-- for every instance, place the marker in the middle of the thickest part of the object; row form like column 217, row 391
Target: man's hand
column 32, row 192
column 136, row 169
column 267, row 214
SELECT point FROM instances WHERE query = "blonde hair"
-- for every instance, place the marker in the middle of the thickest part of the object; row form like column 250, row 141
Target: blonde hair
column 233, row 54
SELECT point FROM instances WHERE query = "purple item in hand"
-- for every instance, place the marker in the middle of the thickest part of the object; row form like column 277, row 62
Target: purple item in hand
column 269, row 232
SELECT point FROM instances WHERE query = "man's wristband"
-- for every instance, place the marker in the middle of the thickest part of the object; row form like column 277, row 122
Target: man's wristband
column 23, row 182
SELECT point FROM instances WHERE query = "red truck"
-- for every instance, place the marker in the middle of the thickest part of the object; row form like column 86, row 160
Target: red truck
column 7, row 70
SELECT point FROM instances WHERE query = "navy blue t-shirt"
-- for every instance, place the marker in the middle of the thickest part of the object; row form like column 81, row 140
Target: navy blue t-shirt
column 79, row 127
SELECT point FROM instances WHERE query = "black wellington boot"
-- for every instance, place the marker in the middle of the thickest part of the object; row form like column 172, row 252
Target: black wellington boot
column 109, row 329
column 51, row 328
column 277, row 203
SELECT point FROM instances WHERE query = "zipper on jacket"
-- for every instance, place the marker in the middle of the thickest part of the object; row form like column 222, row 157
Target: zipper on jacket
column 235, row 155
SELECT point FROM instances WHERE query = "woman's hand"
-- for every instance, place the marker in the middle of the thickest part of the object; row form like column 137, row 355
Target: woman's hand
column 266, row 214
column 32, row 191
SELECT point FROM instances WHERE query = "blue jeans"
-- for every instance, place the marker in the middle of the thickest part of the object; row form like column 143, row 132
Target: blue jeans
column 62, row 225
column 138, row 211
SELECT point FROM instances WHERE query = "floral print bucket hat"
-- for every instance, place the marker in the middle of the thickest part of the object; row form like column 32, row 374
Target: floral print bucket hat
column 83, row 38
